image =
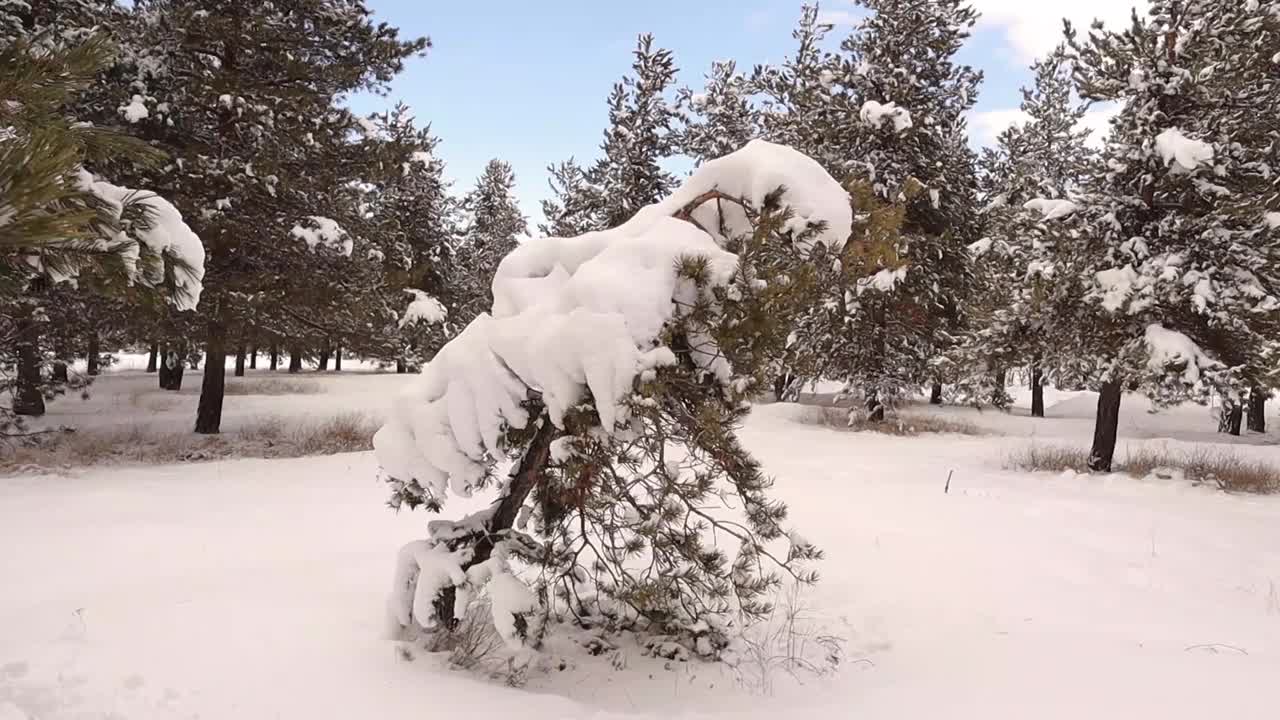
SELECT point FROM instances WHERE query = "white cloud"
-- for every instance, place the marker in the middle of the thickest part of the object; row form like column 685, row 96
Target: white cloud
column 987, row 125
column 1032, row 28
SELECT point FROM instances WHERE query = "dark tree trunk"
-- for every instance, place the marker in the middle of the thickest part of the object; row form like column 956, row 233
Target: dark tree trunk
column 324, row 359
column 523, row 481
column 935, row 394
column 1258, row 410
column 337, row 359
column 194, row 360
column 875, row 409
column 60, row 372
column 94, row 359
column 213, row 389
column 1232, row 417
column 1037, row 391
column 401, row 368
column 275, row 358
column 171, row 367
column 152, row 356
column 295, row 359
column 28, row 398
column 241, row 351
column 998, row 396
column 1105, row 427
column 253, row 359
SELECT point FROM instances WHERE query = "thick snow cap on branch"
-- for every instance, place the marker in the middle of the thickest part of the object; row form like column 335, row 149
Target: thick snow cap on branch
column 1051, row 209
column 1174, row 147
column 163, row 233
column 423, row 308
column 875, row 114
column 585, row 313
column 1170, row 350
column 324, row 231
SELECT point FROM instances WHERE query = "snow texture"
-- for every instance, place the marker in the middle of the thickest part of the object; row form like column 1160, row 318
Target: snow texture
column 1189, row 154
column 423, row 308
column 1051, row 209
column 164, row 233
column 324, row 232
column 136, row 110
column 875, row 114
column 572, row 314
column 1116, row 285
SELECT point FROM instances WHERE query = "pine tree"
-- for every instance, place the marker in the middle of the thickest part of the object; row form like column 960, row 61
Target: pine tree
column 640, row 135
column 494, row 226
column 576, row 204
column 725, row 118
column 246, row 101
column 1176, row 273
column 1044, row 158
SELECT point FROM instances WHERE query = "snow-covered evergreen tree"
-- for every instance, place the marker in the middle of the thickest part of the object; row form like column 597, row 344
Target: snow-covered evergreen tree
column 723, row 118
column 1178, row 277
column 613, row 371
column 575, row 207
column 641, row 133
column 493, row 229
column 1044, row 157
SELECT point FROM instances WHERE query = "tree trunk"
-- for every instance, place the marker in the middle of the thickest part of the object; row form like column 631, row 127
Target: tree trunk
column 935, row 394
column 401, row 368
column 241, row 351
column 1231, row 418
column 295, row 359
column 28, row 398
column 253, row 359
column 1105, row 426
column 1002, row 380
column 164, row 369
column 94, row 361
column 1258, row 410
column 1037, row 391
column 275, row 357
column 152, row 354
column 171, row 367
column 324, row 359
column 60, row 372
column 213, row 389
column 337, row 359
column 875, row 409
column 194, row 360
column 523, row 480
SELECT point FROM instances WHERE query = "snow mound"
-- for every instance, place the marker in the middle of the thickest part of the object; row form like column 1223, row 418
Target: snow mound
column 164, row 233
column 585, row 313
column 1051, row 209
column 875, row 114
column 1174, row 147
column 323, row 231
column 423, row 308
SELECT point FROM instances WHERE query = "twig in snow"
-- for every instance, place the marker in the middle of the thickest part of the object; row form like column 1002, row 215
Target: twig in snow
column 947, row 489
column 1213, row 647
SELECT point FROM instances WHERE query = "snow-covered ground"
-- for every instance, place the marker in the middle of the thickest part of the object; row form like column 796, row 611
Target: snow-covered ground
column 255, row 588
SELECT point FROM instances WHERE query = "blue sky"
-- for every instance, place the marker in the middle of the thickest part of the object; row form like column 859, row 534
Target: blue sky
column 526, row 80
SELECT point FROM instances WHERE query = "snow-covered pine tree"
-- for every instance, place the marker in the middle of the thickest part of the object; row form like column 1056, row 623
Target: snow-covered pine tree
column 492, row 229
column 1174, row 274
column 1045, row 156
column 615, row 386
column 890, row 111
column 720, row 119
column 246, row 101
column 63, row 223
column 575, row 206
column 640, row 135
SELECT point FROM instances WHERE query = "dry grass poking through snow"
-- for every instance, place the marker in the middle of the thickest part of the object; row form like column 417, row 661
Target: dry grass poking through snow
column 268, row 437
column 272, row 386
column 1224, row 468
column 901, row 425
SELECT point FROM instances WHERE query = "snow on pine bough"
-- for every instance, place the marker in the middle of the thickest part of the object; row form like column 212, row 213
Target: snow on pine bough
column 613, row 371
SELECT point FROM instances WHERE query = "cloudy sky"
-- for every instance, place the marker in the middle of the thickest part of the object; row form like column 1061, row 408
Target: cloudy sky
column 527, row 81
